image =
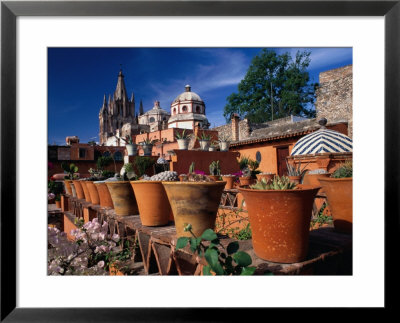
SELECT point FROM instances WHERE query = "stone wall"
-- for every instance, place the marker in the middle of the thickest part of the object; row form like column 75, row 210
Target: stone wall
column 335, row 96
column 227, row 131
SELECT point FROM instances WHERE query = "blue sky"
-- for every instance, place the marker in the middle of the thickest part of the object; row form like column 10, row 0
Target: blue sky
column 78, row 78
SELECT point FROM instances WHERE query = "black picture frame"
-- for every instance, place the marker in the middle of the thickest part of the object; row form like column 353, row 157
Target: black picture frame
column 10, row 10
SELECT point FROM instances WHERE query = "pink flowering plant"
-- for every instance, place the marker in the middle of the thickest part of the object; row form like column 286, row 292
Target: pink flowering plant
column 90, row 253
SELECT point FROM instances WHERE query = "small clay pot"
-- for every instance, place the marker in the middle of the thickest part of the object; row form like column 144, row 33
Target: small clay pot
column 230, row 180
column 182, row 177
column 67, row 186
column 246, row 181
column 266, row 177
column 295, row 179
column 194, row 203
column 123, row 198
column 94, row 195
column 78, row 189
column 280, row 222
column 215, row 178
column 153, row 204
column 339, row 193
column 86, row 192
column 104, row 194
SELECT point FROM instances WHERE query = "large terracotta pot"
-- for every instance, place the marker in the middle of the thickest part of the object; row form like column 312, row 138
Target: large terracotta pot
column 313, row 180
column 123, row 198
column 195, row 203
column 339, row 193
column 67, row 186
column 154, row 208
column 104, row 194
column 86, row 191
column 73, row 191
column 78, row 189
column 280, row 222
column 230, row 180
column 94, row 195
column 266, row 177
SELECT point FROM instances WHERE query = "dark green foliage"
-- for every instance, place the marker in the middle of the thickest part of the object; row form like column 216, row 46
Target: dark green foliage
column 285, row 77
column 142, row 163
column 70, row 169
column 231, row 262
column 215, row 168
column 55, row 187
column 344, row 171
column 104, row 161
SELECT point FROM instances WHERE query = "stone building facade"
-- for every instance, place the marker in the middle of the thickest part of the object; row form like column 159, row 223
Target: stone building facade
column 335, row 96
column 156, row 118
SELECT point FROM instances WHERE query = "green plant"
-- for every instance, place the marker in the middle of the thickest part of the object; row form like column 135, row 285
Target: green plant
column 142, row 163
column 103, row 161
column 344, row 171
column 128, row 139
column 231, row 262
column 321, row 218
column 55, row 187
column 129, row 172
column 58, row 197
column 107, row 173
column 296, row 171
column 148, row 141
column 214, row 168
column 204, row 137
column 278, row 183
column 253, row 165
column 243, row 162
column 70, row 169
column 223, row 137
column 182, row 135
column 244, row 234
column 191, row 168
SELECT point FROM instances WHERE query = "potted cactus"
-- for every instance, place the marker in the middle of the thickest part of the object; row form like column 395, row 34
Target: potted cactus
column 296, row 174
column 339, row 193
column 204, row 141
column 130, row 146
column 280, row 214
column 215, row 171
column 183, row 139
column 223, row 142
column 213, row 146
column 147, row 146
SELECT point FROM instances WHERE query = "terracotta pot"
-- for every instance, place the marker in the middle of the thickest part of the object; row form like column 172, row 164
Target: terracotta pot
column 195, row 203
column 72, row 189
column 154, row 208
column 313, row 180
column 94, row 195
column 230, row 180
column 182, row 177
column 339, row 193
column 123, row 198
column 215, row 178
column 280, row 222
column 86, row 191
column 78, row 189
column 58, row 204
column 267, row 177
column 104, row 194
column 245, row 181
column 67, row 186
column 295, row 179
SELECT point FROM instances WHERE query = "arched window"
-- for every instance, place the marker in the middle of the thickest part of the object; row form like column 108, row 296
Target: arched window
column 174, row 111
column 198, row 109
column 118, row 156
column 152, row 119
column 184, row 109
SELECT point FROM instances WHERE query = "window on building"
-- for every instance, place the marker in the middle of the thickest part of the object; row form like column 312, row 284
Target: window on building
column 82, row 152
column 174, row 111
column 118, row 156
column 198, row 109
column 152, row 119
column 184, row 109
column 258, row 156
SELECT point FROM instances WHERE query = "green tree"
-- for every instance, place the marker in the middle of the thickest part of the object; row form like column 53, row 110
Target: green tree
column 275, row 86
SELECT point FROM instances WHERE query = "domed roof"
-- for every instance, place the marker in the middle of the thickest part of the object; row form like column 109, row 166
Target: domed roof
column 188, row 95
column 156, row 109
column 322, row 141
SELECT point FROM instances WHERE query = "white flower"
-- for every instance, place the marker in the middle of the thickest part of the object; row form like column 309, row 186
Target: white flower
column 115, row 237
column 100, row 264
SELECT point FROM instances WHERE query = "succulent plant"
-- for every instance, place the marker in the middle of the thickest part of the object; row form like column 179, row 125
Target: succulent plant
column 191, row 168
column 214, row 168
column 296, row 171
column 196, row 178
column 278, row 183
column 167, row 176
column 344, row 171
column 183, row 135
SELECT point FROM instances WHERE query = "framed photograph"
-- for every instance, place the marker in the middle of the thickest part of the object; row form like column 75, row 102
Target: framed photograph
column 30, row 28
